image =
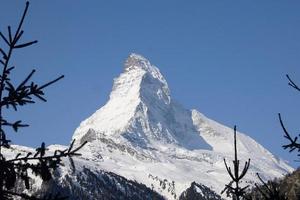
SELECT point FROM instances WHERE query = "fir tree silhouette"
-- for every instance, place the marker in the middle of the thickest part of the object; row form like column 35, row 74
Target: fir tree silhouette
column 293, row 141
column 233, row 189
column 14, row 96
column 275, row 190
column 270, row 190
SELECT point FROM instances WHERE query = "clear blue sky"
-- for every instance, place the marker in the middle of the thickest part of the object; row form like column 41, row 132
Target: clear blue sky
column 227, row 59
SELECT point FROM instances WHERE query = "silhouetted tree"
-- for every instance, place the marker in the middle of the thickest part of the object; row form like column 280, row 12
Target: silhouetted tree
column 293, row 142
column 283, row 188
column 234, row 189
column 273, row 190
column 13, row 96
column 270, row 190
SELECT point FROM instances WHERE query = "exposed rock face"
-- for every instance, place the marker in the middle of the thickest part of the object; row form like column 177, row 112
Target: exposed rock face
column 91, row 185
column 199, row 192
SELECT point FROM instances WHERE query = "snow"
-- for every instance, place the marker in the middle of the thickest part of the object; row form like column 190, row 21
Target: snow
column 141, row 133
column 141, row 112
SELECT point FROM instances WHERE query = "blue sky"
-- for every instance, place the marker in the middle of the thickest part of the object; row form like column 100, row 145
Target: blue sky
column 227, row 59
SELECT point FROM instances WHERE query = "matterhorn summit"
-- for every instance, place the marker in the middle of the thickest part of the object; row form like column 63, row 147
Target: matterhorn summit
column 142, row 134
column 141, row 112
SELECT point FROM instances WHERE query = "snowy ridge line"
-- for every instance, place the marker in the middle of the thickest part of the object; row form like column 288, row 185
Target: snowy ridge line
column 142, row 135
column 182, row 145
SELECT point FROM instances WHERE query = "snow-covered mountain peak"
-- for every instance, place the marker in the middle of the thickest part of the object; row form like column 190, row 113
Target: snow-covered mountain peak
column 141, row 112
column 143, row 135
column 137, row 61
column 140, row 78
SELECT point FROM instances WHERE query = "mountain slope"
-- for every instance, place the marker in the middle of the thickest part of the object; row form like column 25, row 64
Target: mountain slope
column 143, row 142
column 199, row 192
column 141, row 111
column 144, row 135
column 84, row 183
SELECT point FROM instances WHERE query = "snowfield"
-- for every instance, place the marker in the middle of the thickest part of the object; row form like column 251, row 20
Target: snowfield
column 142, row 134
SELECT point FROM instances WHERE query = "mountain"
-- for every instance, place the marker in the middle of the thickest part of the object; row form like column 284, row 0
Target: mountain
column 143, row 140
column 144, row 135
column 199, row 192
column 140, row 112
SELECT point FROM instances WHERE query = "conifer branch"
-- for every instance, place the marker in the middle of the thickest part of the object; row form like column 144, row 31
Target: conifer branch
column 237, row 192
column 12, row 95
column 270, row 190
column 293, row 142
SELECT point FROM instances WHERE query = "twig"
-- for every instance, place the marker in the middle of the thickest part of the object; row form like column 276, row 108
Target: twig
column 293, row 145
column 292, row 83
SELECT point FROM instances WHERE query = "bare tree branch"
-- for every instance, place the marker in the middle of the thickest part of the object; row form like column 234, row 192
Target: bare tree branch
column 293, row 142
column 292, row 84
